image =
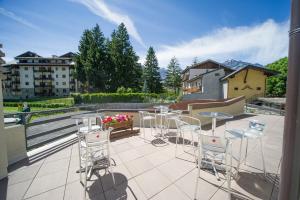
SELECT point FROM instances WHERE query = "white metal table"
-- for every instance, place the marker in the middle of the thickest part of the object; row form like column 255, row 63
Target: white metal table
column 215, row 116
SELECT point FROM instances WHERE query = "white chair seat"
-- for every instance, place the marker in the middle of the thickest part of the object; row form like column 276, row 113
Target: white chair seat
column 85, row 129
column 189, row 127
column 148, row 118
column 253, row 133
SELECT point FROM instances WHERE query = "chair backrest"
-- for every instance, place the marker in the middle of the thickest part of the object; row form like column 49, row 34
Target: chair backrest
column 255, row 124
column 214, row 144
column 164, row 109
column 97, row 137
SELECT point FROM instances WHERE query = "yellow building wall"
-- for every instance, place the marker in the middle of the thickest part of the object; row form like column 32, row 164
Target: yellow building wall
column 254, row 80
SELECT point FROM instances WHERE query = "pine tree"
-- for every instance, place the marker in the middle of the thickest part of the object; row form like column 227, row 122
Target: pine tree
column 125, row 67
column 93, row 60
column 173, row 77
column 151, row 73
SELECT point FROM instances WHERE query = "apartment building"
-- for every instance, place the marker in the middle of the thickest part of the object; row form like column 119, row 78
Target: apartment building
column 31, row 75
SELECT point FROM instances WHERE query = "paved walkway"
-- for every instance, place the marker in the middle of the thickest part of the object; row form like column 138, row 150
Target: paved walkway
column 146, row 171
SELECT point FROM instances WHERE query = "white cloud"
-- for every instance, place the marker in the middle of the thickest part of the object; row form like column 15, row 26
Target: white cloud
column 262, row 43
column 18, row 19
column 100, row 8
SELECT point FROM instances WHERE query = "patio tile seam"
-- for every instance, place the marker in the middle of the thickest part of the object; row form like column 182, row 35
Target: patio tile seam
column 33, row 179
column 42, row 192
column 65, row 186
column 173, row 182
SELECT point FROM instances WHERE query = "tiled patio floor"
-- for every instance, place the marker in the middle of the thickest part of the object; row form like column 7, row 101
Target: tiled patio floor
column 146, row 171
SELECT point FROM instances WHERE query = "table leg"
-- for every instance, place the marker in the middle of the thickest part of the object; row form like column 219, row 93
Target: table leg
column 213, row 126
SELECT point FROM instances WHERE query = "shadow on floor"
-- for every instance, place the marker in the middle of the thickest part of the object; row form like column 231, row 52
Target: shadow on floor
column 258, row 185
column 117, row 191
column 3, row 189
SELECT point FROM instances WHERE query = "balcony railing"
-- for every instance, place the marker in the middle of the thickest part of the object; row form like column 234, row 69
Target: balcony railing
column 17, row 73
column 43, row 78
column 42, row 86
column 43, row 70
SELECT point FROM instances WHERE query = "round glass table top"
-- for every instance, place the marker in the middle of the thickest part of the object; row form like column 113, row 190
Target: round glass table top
column 217, row 115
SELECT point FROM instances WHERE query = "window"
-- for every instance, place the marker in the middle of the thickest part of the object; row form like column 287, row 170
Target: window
column 64, row 83
column 63, row 68
column 26, row 83
column 258, row 88
column 236, row 88
column 26, row 75
column 217, row 74
column 56, row 90
column 26, row 68
column 56, row 68
column 56, row 83
column 56, row 75
column 64, row 91
column 64, row 76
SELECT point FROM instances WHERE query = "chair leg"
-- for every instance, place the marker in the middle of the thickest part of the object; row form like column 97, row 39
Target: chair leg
column 246, row 154
column 262, row 156
column 240, row 156
column 85, row 178
column 198, row 176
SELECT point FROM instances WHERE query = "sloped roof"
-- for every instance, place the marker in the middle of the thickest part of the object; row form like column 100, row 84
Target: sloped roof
column 28, row 54
column 268, row 72
column 2, row 61
column 195, row 66
column 68, row 55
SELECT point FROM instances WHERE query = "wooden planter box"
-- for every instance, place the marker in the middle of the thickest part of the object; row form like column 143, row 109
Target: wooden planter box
column 121, row 129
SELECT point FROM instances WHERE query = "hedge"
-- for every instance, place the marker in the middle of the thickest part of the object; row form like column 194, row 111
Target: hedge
column 113, row 97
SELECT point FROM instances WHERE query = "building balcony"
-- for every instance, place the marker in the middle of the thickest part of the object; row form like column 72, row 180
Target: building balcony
column 42, row 86
column 43, row 78
column 16, row 89
column 192, row 90
column 16, row 73
column 15, row 82
column 43, row 70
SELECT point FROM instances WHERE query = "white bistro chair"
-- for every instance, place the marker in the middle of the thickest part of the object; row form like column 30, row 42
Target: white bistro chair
column 251, row 130
column 212, row 149
column 187, row 125
column 146, row 116
column 96, row 154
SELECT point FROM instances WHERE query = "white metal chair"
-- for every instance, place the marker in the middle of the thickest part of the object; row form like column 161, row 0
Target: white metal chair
column 253, row 130
column 97, row 153
column 188, row 124
column 210, row 150
column 146, row 116
column 172, row 116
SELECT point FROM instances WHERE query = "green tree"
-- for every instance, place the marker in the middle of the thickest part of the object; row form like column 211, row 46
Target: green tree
column 173, row 77
column 93, row 61
column 125, row 69
column 276, row 85
column 151, row 73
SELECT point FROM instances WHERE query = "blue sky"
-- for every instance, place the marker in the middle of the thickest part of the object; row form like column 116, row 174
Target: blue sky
column 249, row 30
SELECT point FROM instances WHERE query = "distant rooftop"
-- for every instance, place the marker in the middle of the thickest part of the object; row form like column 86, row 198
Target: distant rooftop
column 237, row 64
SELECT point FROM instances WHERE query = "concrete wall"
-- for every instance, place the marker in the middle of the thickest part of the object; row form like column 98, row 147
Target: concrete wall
column 15, row 142
column 234, row 107
column 254, row 79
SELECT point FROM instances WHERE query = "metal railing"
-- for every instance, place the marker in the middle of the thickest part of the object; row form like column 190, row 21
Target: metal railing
column 43, row 127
